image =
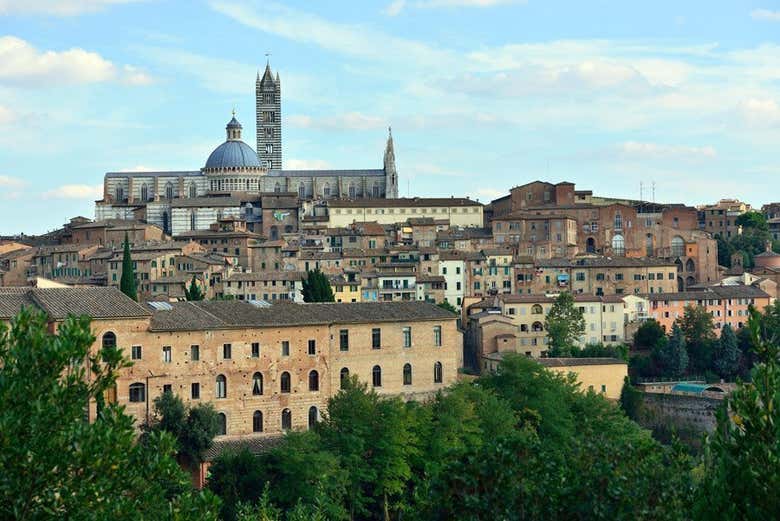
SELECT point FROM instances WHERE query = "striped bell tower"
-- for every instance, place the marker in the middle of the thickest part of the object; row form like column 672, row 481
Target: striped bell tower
column 268, row 106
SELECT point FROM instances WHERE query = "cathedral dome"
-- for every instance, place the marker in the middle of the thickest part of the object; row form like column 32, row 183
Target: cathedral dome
column 233, row 153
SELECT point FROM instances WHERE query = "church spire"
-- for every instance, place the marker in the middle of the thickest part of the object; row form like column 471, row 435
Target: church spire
column 391, row 174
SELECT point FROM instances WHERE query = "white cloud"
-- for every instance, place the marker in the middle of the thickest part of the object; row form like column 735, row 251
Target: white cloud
column 306, row 164
column 75, row 192
column 56, row 7
column 22, row 64
column 665, row 151
column 760, row 113
column 765, row 15
column 6, row 115
column 7, row 182
column 395, row 7
column 347, row 121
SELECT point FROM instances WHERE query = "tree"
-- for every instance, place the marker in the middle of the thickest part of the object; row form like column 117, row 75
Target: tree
column 741, row 467
column 564, row 324
column 752, row 219
column 672, row 355
column 726, row 356
column 127, row 282
column 237, row 478
column 648, row 334
column 316, row 287
column 193, row 428
column 447, row 306
column 193, row 292
column 699, row 331
column 55, row 464
column 631, row 400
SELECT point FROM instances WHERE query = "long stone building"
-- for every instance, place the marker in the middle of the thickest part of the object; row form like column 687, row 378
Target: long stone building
column 265, row 368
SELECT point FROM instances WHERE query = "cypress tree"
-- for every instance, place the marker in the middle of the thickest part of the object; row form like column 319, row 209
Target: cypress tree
column 193, row 292
column 127, row 282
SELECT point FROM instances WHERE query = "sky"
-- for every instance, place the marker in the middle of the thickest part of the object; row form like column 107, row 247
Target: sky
column 482, row 95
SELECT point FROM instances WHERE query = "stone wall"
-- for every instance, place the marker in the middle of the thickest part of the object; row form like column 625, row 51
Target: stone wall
column 696, row 413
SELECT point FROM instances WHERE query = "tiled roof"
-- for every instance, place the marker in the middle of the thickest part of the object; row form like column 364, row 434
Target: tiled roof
column 254, row 444
column 402, row 202
column 240, row 314
column 173, row 173
column 326, row 173
column 567, row 362
column 58, row 303
column 267, row 275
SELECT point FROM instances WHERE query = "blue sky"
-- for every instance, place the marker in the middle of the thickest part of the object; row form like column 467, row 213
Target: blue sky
column 482, row 95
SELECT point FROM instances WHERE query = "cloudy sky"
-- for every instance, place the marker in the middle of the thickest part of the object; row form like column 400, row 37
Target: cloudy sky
column 482, row 95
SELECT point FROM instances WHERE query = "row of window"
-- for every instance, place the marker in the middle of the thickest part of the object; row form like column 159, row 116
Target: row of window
column 376, row 374
column 258, row 425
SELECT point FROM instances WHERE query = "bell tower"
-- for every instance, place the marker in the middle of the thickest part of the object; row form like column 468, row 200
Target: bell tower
column 268, row 105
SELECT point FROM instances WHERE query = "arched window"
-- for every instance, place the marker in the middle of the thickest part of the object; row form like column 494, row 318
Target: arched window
column 221, row 386
column 221, row 424
column 326, row 190
column 537, row 327
column 137, row 392
column 536, row 309
column 109, row 339
column 344, row 376
column 407, row 374
column 590, row 245
column 165, row 223
column 120, row 193
column 376, row 376
column 314, row 381
column 618, row 245
column 169, row 190
column 618, row 221
column 193, row 220
column 285, row 382
column 314, row 416
column 277, row 187
column 690, row 266
column 144, row 192
column 257, row 384
column 649, row 250
column 301, row 190
column 247, row 185
column 286, row 420
column 678, row 246
column 193, row 190
column 257, row 421
column 438, row 376
column 376, row 191
column 274, row 233
column 351, row 191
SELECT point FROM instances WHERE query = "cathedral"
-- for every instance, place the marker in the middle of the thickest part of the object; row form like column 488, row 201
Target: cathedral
column 235, row 178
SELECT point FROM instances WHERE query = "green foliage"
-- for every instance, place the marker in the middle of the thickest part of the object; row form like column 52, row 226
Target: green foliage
column 671, row 355
column 752, row 241
column 741, row 470
column 193, row 428
column 631, row 400
column 193, row 292
column 752, row 219
column 316, row 287
column 648, row 334
column 697, row 326
column 446, row 305
column 57, row 465
column 564, row 324
column 127, row 282
column 726, row 355
column 599, row 350
column 237, row 478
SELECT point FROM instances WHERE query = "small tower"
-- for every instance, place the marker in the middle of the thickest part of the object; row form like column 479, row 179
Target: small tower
column 391, row 174
column 268, row 104
column 233, row 129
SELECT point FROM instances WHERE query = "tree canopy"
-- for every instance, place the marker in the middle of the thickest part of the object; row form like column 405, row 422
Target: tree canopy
column 565, row 324
column 127, row 284
column 193, row 291
column 316, row 287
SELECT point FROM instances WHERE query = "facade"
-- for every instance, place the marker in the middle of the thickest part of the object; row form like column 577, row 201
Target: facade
column 455, row 211
column 266, row 369
column 721, row 218
column 268, row 118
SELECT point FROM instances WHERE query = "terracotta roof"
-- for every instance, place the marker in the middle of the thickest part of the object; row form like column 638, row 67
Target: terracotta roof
column 256, row 444
column 567, row 362
column 58, row 303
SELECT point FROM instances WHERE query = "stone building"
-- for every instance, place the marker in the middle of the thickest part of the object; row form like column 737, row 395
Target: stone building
column 266, row 369
column 268, row 118
column 456, row 211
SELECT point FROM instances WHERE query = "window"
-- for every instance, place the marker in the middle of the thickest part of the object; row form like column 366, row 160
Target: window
column 314, row 416
column 301, row 190
column 169, row 191
column 536, row 309
column 376, row 376
column 314, row 381
column 135, row 352
column 603, row 388
column 221, row 386
column 344, row 339
column 618, row 245
column 407, row 374
column 312, row 347
column 343, row 377
column 195, row 391
column 618, row 221
column 137, row 392
column 194, row 353
column 167, row 354
column 144, row 192
column 376, row 338
column 407, row 336
column 221, row 424
column 227, row 351
column 678, row 246
column 437, row 336
column 257, row 384
column 285, row 348
column 167, row 388
column 286, row 420
column 285, row 382
column 437, row 373
column 257, row 421
column 255, row 349
column 193, row 191
column 109, row 340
